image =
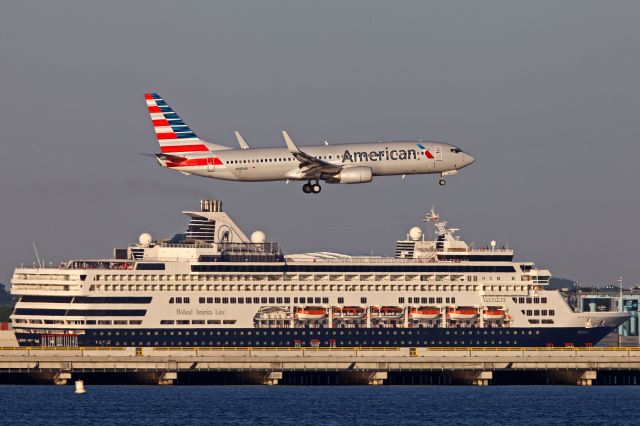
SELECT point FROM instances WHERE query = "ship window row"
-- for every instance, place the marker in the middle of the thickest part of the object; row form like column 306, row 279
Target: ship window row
column 306, row 287
column 346, row 343
column 367, row 276
column 303, row 299
column 83, row 312
column 108, row 322
column 77, row 322
column 530, row 300
column 476, row 257
column 197, row 322
column 541, row 321
column 301, row 287
column 311, row 332
column 85, row 299
column 150, row 266
column 437, row 300
column 272, row 300
column 538, row 312
column 288, row 268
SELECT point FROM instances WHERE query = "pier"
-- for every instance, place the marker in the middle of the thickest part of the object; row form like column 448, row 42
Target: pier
column 321, row 366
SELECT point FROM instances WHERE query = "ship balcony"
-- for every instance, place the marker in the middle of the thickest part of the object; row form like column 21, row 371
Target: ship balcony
column 539, row 276
column 33, row 280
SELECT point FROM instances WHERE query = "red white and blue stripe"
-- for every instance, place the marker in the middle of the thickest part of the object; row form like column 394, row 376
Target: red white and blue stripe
column 174, row 136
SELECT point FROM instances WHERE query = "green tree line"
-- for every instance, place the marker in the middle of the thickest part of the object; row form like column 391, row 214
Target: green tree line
column 6, row 304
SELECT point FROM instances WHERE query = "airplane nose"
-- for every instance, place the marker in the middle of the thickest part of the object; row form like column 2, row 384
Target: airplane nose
column 469, row 159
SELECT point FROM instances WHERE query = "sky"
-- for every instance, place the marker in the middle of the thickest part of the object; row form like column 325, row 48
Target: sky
column 545, row 95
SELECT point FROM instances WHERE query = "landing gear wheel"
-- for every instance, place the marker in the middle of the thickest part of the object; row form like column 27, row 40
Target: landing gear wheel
column 316, row 188
column 307, row 188
column 442, row 182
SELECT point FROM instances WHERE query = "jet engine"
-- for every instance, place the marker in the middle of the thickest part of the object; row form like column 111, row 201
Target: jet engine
column 352, row 175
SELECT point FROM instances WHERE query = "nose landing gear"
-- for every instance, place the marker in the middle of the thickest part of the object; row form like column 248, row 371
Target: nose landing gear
column 309, row 188
column 443, row 182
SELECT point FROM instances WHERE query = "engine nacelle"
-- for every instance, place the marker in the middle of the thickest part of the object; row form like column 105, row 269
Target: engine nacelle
column 352, row 175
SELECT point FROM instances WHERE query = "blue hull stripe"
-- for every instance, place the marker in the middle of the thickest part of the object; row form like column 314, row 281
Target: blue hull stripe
column 370, row 337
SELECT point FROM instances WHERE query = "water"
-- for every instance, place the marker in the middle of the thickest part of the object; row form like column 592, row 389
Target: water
column 353, row 405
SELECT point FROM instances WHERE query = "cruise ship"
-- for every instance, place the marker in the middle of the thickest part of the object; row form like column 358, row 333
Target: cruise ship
column 213, row 286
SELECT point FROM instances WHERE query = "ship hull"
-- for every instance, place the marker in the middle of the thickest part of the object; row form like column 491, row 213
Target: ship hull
column 327, row 337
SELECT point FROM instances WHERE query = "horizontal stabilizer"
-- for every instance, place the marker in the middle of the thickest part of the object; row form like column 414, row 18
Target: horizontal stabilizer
column 170, row 158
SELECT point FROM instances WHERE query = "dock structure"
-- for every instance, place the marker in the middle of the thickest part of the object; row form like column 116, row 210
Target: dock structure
column 308, row 366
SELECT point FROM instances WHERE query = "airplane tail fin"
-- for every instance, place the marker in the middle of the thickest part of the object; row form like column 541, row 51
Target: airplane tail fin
column 174, row 136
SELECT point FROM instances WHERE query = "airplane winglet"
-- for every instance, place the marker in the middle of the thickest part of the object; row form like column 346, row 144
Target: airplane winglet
column 292, row 146
column 243, row 144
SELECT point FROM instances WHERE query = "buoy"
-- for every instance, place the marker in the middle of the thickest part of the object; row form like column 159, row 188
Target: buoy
column 80, row 386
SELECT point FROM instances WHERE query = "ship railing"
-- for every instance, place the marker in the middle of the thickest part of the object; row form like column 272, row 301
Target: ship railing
column 97, row 264
column 271, row 248
column 358, row 260
column 187, row 245
column 486, row 250
column 370, row 260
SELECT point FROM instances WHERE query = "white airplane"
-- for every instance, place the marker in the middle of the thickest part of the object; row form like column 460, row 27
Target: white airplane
column 182, row 150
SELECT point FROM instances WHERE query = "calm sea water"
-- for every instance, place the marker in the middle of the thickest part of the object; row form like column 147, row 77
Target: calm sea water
column 353, row 405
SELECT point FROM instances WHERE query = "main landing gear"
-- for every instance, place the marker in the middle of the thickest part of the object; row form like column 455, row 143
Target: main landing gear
column 309, row 188
column 442, row 182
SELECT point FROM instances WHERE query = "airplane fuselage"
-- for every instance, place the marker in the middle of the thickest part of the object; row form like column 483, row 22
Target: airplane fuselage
column 276, row 164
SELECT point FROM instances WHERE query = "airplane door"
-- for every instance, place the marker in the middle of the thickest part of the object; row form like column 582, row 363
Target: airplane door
column 210, row 165
column 438, row 153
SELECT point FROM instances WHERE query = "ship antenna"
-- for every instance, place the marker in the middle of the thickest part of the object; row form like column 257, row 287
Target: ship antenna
column 35, row 249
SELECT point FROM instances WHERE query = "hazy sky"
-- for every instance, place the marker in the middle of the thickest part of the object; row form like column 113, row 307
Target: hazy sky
column 545, row 94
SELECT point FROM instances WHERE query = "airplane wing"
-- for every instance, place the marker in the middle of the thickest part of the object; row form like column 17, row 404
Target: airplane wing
column 309, row 166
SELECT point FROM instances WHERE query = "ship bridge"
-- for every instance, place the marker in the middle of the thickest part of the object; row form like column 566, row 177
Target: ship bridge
column 446, row 246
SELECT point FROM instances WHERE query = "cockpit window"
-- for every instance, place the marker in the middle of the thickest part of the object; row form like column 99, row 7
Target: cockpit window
column 456, row 150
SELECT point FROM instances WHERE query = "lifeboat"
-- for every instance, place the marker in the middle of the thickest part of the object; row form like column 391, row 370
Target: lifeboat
column 311, row 313
column 461, row 314
column 388, row 311
column 424, row 313
column 493, row 314
column 350, row 312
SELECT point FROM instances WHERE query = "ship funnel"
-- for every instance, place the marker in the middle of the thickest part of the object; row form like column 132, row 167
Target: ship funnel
column 214, row 206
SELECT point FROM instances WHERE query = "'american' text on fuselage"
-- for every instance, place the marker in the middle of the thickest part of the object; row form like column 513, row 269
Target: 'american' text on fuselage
column 394, row 154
